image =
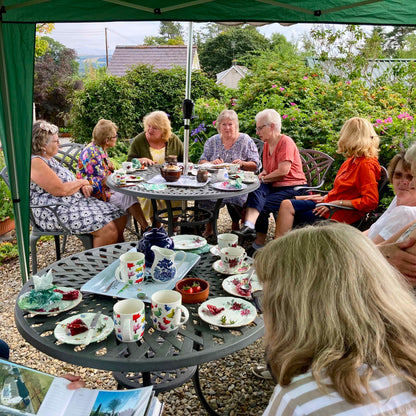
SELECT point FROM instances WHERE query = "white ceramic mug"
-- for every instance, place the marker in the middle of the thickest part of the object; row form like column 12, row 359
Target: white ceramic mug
column 129, row 320
column 227, row 240
column 131, row 268
column 120, row 177
column 127, row 166
column 232, row 258
column 168, row 313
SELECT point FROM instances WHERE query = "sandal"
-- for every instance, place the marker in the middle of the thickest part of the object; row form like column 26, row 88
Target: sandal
column 261, row 371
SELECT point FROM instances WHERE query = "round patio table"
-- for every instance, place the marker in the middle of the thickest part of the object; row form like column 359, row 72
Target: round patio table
column 164, row 360
column 181, row 193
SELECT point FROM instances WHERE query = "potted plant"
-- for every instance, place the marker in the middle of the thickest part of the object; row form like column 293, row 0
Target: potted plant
column 6, row 206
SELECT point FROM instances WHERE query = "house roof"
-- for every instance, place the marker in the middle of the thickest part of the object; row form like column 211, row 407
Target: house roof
column 160, row 57
column 241, row 70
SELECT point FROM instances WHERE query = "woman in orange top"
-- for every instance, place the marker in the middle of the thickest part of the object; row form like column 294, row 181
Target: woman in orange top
column 355, row 185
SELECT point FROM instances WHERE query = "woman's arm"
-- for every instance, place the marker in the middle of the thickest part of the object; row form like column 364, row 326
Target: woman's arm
column 47, row 179
column 282, row 170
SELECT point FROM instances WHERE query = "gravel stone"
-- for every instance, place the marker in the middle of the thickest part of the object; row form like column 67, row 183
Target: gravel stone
column 228, row 384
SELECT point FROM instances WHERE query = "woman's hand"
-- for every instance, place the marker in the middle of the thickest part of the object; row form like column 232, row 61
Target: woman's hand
column 217, row 161
column 238, row 162
column 87, row 190
column 146, row 162
column 76, row 382
column 110, row 165
column 320, row 211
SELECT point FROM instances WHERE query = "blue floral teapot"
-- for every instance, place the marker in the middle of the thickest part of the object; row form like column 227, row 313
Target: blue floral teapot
column 154, row 237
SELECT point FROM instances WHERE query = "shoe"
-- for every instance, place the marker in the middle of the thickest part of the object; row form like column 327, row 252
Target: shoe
column 261, row 371
column 251, row 251
column 246, row 232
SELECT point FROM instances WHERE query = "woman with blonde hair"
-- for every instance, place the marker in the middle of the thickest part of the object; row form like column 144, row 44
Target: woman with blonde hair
column 340, row 333
column 355, row 185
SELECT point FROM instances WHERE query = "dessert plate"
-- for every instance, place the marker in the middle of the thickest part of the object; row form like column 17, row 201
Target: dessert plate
column 59, row 306
column 232, row 312
column 230, row 284
column 188, row 241
column 132, row 178
column 105, row 326
column 219, row 267
column 224, row 186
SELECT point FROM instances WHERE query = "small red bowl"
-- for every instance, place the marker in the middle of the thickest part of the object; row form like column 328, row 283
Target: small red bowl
column 197, row 297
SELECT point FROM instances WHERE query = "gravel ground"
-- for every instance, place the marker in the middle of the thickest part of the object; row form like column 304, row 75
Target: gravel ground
column 228, row 384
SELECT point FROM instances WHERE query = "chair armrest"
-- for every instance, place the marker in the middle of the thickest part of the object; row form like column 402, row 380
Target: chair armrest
column 334, row 206
column 310, row 188
column 53, row 208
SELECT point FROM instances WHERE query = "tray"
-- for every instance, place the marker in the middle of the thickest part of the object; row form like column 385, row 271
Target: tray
column 184, row 181
column 102, row 281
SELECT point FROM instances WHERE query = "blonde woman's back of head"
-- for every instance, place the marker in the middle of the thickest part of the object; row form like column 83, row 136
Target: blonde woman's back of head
column 331, row 304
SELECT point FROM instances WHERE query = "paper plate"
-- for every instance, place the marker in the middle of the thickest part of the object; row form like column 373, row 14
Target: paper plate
column 105, row 326
column 230, row 286
column 218, row 267
column 188, row 241
column 237, row 312
column 62, row 305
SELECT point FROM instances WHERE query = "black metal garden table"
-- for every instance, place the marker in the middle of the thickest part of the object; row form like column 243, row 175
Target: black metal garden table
column 164, row 360
column 191, row 215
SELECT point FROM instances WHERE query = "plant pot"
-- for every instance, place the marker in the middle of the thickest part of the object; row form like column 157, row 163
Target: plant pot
column 6, row 225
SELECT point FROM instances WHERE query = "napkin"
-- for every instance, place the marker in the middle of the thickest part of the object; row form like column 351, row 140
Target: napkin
column 43, row 282
column 154, row 186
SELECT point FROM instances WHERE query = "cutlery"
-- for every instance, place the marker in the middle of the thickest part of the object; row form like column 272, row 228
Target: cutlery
column 247, row 286
column 91, row 330
column 109, row 286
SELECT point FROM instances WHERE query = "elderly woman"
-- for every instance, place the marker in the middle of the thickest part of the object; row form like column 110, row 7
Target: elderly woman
column 51, row 183
column 152, row 147
column 94, row 165
column 230, row 146
column 339, row 327
column 402, row 209
column 282, row 172
column 355, row 186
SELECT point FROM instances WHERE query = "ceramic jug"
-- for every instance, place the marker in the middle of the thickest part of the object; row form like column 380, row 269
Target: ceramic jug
column 154, row 237
column 164, row 268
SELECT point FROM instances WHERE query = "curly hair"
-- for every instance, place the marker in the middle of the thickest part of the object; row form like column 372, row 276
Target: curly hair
column 160, row 120
column 331, row 304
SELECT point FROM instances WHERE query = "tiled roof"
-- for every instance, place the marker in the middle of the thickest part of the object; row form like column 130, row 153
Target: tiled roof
column 161, row 57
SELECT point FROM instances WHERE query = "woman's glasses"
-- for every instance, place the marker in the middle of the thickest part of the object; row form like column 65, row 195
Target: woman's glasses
column 260, row 128
column 48, row 127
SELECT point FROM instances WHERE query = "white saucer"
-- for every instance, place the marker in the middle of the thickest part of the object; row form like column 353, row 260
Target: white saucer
column 218, row 267
column 230, row 284
column 215, row 251
column 249, row 180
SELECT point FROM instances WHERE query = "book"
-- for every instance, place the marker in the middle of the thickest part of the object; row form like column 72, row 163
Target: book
column 28, row 392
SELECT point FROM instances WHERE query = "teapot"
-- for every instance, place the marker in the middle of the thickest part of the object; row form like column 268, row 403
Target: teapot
column 164, row 268
column 171, row 173
column 154, row 237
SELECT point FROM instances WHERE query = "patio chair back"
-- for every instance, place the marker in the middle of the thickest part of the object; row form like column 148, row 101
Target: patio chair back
column 316, row 165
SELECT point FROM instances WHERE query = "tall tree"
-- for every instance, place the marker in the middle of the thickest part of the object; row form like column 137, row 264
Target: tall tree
column 41, row 45
column 171, row 33
column 395, row 41
column 237, row 43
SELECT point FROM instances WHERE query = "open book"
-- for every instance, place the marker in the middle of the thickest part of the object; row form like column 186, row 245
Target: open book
column 24, row 391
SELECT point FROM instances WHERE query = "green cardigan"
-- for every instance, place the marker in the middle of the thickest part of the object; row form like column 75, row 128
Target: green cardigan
column 140, row 147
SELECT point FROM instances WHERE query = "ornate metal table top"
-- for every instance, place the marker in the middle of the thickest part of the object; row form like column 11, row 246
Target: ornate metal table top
column 196, row 342
column 178, row 193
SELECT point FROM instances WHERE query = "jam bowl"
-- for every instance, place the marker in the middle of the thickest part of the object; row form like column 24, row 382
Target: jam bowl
column 171, row 173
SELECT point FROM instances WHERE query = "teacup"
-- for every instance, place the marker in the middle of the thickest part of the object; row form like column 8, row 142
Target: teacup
column 131, row 268
column 127, row 166
column 120, row 177
column 227, row 240
column 249, row 176
column 232, row 258
column 168, row 313
column 129, row 320
column 233, row 168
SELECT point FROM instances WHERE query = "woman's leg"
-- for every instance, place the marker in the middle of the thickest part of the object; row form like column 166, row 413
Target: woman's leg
column 121, row 225
column 136, row 211
column 285, row 218
column 106, row 235
column 4, row 350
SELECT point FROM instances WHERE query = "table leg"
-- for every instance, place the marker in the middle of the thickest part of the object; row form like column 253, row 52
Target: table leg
column 215, row 217
column 170, row 218
column 154, row 206
column 200, row 394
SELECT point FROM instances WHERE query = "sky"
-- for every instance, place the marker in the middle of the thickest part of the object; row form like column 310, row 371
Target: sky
column 89, row 38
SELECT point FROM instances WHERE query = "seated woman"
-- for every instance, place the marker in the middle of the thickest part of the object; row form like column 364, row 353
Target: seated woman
column 51, row 183
column 339, row 327
column 355, row 186
column 402, row 209
column 152, row 147
column 94, row 165
column 230, row 146
column 282, row 172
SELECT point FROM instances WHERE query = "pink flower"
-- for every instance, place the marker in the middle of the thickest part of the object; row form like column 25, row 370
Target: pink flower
column 316, row 112
column 213, row 123
column 348, row 82
column 292, row 119
column 285, row 116
column 305, row 77
column 292, row 103
column 274, row 86
column 388, row 120
column 281, row 89
column 233, row 104
column 379, row 121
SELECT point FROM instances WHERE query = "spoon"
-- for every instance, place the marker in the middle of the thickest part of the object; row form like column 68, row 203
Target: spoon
column 247, row 286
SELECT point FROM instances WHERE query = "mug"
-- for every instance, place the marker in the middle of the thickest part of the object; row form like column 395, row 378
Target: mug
column 233, row 168
column 227, row 240
column 127, row 166
column 232, row 258
column 120, row 177
column 131, row 268
column 129, row 320
column 168, row 313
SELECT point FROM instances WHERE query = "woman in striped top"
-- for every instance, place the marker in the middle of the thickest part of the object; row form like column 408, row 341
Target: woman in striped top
column 340, row 325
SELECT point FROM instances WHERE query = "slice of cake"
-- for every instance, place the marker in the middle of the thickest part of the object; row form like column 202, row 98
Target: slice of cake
column 78, row 326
